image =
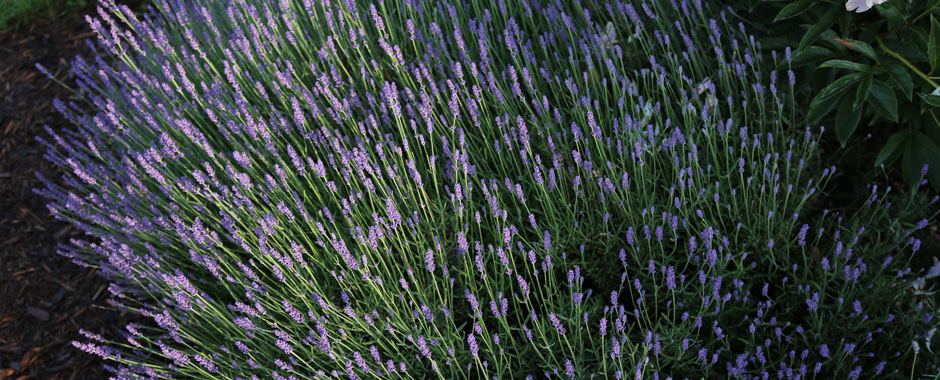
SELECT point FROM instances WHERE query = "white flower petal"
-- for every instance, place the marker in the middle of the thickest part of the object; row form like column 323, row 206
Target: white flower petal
column 936, row 92
column 860, row 6
column 856, row 5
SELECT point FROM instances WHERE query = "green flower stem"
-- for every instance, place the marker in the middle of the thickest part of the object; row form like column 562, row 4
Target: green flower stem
column 906, row 62
column 925, row 12
column 908, row 25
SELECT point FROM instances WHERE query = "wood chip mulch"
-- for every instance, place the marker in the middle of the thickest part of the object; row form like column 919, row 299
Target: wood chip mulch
column 44, row 298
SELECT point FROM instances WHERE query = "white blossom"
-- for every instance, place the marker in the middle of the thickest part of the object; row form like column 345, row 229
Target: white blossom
column 860, row 6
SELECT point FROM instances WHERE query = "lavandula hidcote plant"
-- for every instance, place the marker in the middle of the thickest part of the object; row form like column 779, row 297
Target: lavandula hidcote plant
column 465, row 190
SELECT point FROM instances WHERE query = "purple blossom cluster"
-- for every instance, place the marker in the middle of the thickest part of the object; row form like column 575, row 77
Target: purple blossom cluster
column 432, row 189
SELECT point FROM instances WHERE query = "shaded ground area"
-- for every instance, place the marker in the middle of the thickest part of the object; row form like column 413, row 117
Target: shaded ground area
column 44, row 298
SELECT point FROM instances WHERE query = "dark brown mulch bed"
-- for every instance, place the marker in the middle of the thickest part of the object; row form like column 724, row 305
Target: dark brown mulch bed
column 44, row 297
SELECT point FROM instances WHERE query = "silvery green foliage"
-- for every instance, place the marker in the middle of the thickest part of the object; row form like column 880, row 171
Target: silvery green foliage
column 424, row 189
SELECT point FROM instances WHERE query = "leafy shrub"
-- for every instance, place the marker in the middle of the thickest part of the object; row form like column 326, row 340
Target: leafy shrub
column 876, row 67
column 419, row 189
column 14, row 13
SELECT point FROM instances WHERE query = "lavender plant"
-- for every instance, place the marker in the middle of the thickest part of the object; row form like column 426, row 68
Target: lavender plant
column 424, row 189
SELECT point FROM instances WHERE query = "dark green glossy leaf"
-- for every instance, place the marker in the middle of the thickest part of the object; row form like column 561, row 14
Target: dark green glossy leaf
column 829, row 36
column 920, row 31
column 861, row 93
column 825, row 22
column 820, row 107
column 793, row 9
column 844, row 64
column 809, row 55
column 892, row 12
column 907, row 49
column 900, row 76
column 883, row 100
column 932, row 100
column 839, row 85
column 858, row 46
column 846, row 119
column 890, row 152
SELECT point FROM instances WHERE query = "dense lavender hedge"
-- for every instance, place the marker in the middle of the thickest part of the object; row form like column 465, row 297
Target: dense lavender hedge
column 480, row 189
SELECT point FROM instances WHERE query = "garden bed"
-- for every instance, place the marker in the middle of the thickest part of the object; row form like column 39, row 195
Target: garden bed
column 53, row 298
column 46, row 298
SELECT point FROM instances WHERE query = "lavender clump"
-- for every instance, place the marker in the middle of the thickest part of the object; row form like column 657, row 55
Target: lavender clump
column 283, row 186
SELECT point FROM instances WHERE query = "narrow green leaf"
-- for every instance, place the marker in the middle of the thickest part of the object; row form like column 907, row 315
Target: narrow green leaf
column 861, row 93
column 793, row 9
column 846, row 119
column 806, row 56
column 858, row 46
column 889, row 153
column 900, row 76
column 839, row 85
column 909, row 48
column 932, row 100
column 884, row 101
column 933, row 45
column 892, row 12
column 844, row 64
column 829, row 36
column 825, row 22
